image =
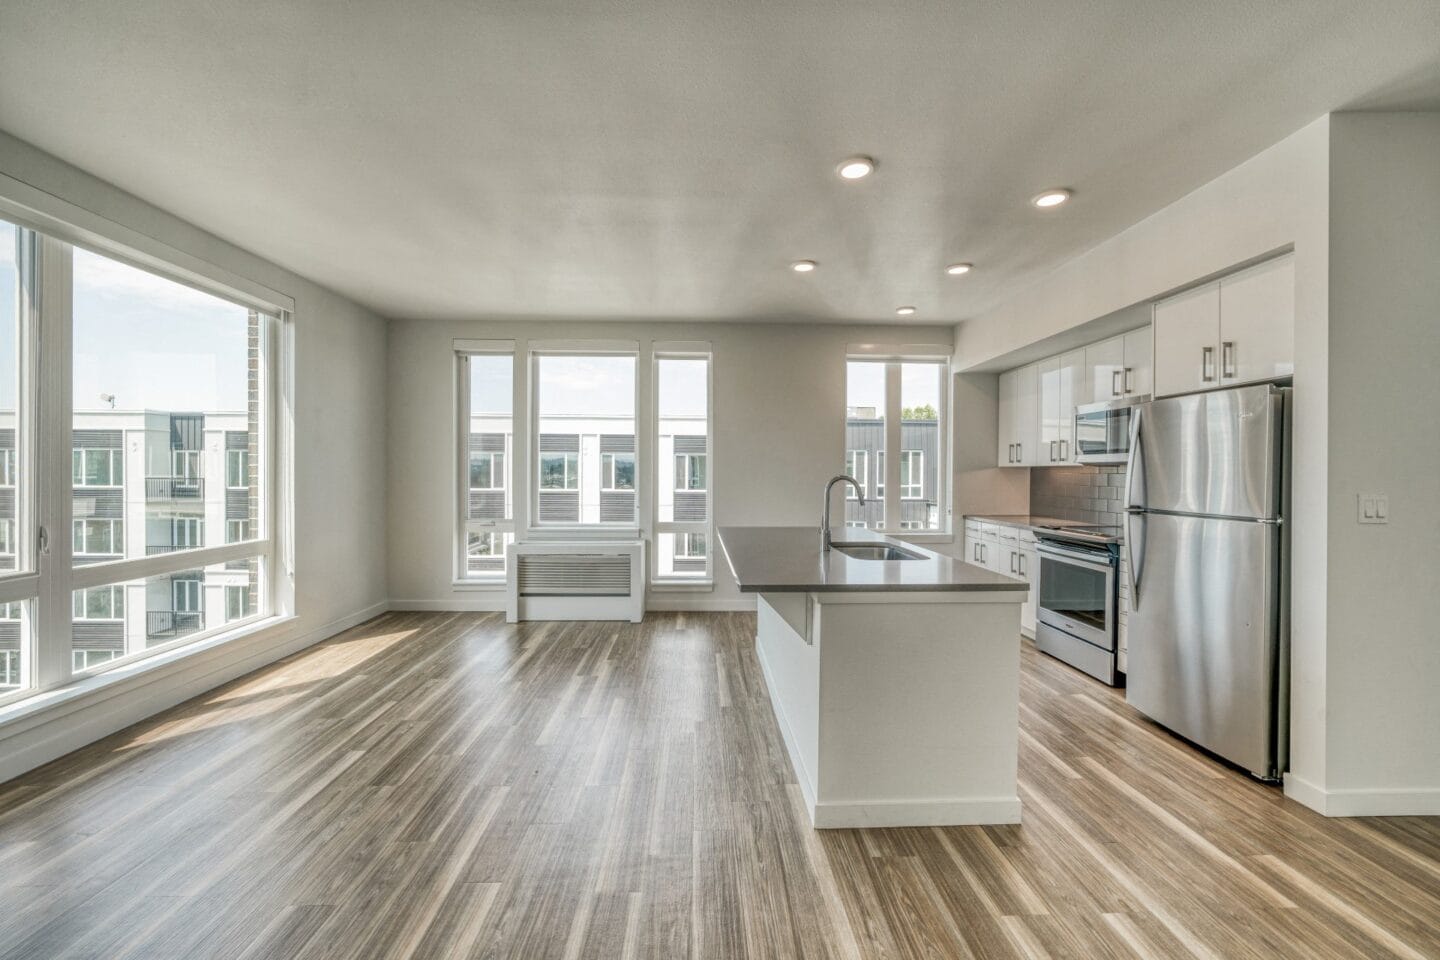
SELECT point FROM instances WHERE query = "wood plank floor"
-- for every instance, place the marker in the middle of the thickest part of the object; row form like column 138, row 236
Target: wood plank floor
column 447, row 786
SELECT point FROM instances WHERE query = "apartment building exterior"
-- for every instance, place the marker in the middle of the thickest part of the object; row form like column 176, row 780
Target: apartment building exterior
column 144, row 483
column 586, row 474
column 919, row 470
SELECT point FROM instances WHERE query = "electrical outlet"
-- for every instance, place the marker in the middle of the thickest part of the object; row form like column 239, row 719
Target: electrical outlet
column 1373, row 508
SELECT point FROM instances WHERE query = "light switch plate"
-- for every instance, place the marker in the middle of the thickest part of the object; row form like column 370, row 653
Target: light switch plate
column 1373, row 508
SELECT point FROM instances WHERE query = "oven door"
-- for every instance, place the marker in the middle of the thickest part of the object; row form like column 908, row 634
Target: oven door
column 1077, row 594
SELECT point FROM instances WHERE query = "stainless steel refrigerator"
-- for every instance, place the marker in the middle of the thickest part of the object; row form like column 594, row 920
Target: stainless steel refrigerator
column 1205, row 493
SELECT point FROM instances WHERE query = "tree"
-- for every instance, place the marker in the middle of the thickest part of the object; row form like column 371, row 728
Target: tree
column 923, row 412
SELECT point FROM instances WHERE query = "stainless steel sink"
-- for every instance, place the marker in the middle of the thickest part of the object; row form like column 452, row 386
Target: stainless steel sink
column 875, row 551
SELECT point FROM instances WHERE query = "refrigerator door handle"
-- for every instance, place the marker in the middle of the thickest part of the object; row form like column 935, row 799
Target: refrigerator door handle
column 1132, row 509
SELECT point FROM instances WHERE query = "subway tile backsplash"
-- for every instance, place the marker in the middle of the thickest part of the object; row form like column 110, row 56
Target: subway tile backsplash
column 1088, row 494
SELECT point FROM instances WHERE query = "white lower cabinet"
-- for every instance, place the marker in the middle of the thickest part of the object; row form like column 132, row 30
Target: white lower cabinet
column 1010, row 551
column 1029, row 572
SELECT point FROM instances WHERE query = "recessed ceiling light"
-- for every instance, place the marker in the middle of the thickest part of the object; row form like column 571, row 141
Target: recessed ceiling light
column 855, row 168
column 1050, row 198
column 803, row 266
column 957, row 269
column 905, row 311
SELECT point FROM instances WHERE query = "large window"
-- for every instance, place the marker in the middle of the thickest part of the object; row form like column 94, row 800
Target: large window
column 683, row 502
column 896, row 406
column 585, row 452
column 169, row 385
column 487, row 402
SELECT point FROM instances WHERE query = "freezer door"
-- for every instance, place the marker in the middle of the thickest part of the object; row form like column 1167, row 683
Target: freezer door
column 1209, row 453
column 1203, row 631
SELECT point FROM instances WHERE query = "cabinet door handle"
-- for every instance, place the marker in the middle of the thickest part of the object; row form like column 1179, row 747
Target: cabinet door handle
column 1128, row 385
column 1207, row 358
column 1012, row 561
column 1019, row 453
column 1052, row 451
column 1064, row 450
column 1115, row 382
column 1227, row 359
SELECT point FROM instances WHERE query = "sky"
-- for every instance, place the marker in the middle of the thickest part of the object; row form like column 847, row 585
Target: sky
column 153, row 343
column 865, row 385
column 8, row 303
column 597, row 385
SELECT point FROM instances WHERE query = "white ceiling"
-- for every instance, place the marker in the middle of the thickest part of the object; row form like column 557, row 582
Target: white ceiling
column 668, row 158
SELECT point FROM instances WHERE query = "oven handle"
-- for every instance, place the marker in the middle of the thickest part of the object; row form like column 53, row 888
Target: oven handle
column 1079, row 559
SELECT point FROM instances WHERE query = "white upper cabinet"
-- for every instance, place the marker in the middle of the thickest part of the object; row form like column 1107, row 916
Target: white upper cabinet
column 1240, row 329
column 1137, row 380
column 1061, row 378
column 1118, row 367
column 1019, row 419
column 1257, row 322
column 1187, row 330
column 1104, row 369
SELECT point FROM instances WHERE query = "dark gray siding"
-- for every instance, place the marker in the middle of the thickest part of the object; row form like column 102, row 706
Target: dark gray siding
column 869, row 435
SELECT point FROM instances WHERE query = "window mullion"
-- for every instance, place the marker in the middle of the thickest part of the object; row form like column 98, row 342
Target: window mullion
column 53, row 458
column 892, row 446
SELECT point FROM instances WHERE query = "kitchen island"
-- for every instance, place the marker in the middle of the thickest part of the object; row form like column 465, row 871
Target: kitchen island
column 895, row 682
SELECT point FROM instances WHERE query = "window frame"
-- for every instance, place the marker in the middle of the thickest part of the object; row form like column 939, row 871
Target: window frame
column 50, row 230
column 464, row 525
column 690, row 350
column 893, row 494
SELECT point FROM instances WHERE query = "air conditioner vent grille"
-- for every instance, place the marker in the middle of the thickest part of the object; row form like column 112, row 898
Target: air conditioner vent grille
column 573, row 574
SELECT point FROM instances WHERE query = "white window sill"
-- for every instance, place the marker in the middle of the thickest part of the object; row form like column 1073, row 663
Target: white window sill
column 85, row 691
column 589, row 532
column 478, row 585
column 696, row 585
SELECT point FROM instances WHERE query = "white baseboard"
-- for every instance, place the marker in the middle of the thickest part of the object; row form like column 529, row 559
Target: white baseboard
column 1385, row 802
column 683, row 603
column 917, row 813
column 480, row 603
column 676, row 602
column 85, row 720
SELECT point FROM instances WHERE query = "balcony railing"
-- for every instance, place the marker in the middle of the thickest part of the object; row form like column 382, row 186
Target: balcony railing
column 174, row 488
column 168, row 624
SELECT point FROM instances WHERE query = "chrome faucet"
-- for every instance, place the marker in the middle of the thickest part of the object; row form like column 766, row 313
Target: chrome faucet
column 825, row 512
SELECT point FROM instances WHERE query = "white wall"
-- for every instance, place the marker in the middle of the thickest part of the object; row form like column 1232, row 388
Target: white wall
column 339, row 363
column 1383, row 685
column 980, row 485
column 779, row 426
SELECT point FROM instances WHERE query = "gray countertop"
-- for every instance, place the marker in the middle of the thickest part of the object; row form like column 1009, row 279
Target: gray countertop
column 789, row 560
column 1028, row 521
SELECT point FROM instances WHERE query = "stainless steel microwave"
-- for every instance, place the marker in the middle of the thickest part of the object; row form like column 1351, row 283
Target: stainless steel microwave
column 1102, row 430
